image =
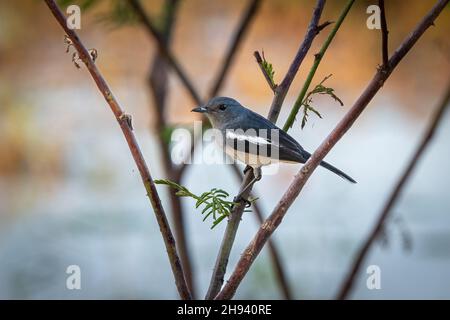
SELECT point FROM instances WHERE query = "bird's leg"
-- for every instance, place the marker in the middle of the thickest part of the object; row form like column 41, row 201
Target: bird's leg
column 257, row 173
column 257, row 176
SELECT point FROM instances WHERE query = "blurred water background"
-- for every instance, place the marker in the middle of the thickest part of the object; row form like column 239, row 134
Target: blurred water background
column 70, row 194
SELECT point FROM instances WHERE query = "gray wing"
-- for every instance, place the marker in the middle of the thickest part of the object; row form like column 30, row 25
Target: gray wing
column 288, row 148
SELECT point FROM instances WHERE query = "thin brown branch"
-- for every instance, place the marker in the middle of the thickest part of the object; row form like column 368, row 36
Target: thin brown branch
column 384, row 34
column 313, row 30
column 277, row 263
column 124, row 123
column 273, row 221
column 158, row 87
column 220, row 267
column 241, row 30
column 151, row 28
column 393, row 198
column 260, row 61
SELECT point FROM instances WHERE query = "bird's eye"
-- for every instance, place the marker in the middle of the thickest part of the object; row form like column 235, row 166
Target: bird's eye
column 222, row 107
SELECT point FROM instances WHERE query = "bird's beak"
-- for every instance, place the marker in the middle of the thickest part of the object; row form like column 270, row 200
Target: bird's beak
column 199, row 109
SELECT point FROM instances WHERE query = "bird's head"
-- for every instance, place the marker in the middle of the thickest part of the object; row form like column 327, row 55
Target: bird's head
column 221, row 110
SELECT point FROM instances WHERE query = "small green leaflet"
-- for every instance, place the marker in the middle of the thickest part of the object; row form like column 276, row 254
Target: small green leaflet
column 268, row 67
column 214, row 202
column 307, row 103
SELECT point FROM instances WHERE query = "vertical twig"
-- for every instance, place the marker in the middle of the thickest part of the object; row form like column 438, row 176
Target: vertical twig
column 124, row 122
column 317, row 58
column 247, row 17
column 392, row 200
column 136, row 5
column 384, row 34
column 234, row 220
column 158, row 87
column 273, row 221
column 280, row 273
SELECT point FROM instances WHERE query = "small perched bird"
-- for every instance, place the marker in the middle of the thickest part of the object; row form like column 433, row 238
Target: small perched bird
column 253, row 139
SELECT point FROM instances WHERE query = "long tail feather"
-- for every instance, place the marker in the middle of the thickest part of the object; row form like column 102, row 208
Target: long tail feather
column 306, row 155
column 335, row 170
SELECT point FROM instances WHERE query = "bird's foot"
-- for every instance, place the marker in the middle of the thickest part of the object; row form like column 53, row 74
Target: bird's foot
column 247, row 168
column 239, row 199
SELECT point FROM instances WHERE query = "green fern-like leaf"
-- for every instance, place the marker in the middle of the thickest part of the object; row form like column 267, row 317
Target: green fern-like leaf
column 307, row 103
column 268, row 68
column 214, row 201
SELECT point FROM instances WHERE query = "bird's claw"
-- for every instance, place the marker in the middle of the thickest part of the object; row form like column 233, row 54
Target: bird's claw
column 240, row 199
column 247, row 168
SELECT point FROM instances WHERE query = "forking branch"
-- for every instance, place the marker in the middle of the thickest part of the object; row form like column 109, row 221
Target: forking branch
column 236, row 214
column 273, row 221
column 248, row 15
column 317, row 59
column 124, row 122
